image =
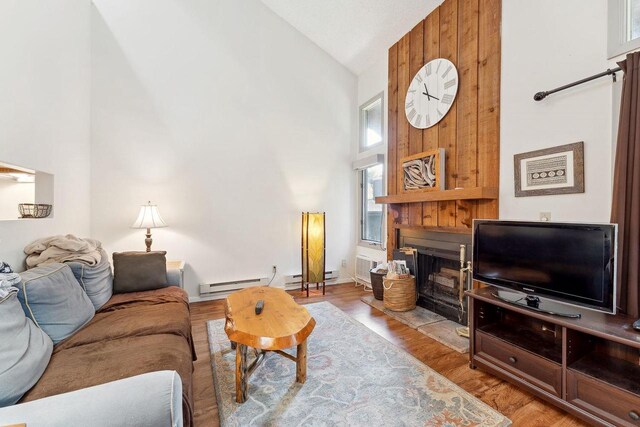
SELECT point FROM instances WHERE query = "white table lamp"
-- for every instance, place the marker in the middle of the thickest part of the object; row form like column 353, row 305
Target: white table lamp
column 149, row 217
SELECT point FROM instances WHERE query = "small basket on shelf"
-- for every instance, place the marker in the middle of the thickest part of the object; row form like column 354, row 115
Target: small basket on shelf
column 34, row 210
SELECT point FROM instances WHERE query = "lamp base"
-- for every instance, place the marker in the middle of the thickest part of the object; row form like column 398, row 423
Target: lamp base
column 305, row 286
column 148, row 240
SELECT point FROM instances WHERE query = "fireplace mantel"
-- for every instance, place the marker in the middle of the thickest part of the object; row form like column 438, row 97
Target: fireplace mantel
column 455, row 230
column 474, row 193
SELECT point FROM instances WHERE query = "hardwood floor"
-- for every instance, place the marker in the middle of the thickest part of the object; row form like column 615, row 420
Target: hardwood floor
column 521, row 407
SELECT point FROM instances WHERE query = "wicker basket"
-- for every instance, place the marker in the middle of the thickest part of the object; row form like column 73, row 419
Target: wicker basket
column 376, row 284
column 34, row 210
column 400, row 294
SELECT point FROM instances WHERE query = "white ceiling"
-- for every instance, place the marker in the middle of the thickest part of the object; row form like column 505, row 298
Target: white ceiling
column 355, row 32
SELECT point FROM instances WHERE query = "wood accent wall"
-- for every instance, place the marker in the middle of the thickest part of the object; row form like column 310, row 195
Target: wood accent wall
column 467, row 32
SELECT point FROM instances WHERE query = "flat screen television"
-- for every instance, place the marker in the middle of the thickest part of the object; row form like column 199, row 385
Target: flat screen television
column 570, row 263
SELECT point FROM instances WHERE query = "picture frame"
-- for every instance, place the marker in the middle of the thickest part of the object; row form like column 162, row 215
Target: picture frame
column 423, row 171
column 550, row 171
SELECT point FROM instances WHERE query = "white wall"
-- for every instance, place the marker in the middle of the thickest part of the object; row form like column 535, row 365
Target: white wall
column 13, row 193
column 44, row 111
column 370, row 83
column 232, row 122
column 546, row 44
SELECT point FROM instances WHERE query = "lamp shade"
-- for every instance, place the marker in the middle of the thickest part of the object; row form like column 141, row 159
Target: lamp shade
column 149, row 217
column 313, row 247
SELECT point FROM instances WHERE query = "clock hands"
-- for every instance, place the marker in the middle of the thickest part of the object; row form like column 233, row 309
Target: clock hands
column 426, row 92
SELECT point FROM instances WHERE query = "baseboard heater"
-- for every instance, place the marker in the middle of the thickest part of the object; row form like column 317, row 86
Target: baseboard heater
column 208, row 289
column 295, row 280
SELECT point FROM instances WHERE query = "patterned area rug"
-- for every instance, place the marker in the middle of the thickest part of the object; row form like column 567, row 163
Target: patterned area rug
column 426, row 322
column 354, row 378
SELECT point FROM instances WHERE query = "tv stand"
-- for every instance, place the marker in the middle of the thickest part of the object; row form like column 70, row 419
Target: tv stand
column 588, row 365
column 534, row 303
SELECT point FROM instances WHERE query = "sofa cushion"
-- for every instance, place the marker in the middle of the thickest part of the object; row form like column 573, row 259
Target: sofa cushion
column 153, row 297
column 139, row 271
column 52, row 297
column 148, row 400
column 163, row 311
column 25, row 350
column 97, row 280
column 104, row 361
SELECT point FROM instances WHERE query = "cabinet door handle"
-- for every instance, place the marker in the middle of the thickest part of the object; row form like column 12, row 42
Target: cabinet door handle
column 634, row 416
column 514, row 360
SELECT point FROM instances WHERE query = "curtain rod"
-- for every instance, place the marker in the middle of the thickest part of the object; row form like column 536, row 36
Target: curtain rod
column 610, row 72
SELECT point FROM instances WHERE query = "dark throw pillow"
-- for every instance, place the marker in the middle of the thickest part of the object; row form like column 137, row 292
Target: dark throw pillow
column 139, row 271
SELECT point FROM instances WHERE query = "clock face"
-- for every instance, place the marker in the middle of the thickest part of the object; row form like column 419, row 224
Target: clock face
column 431, row 93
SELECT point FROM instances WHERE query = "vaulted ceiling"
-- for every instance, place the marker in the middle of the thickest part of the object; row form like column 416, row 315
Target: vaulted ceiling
column 354, row 32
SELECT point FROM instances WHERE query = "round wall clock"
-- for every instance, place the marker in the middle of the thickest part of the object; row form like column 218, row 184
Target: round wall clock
column 431, row 93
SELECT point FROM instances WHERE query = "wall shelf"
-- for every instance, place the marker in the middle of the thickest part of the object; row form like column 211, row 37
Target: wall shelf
column 474, row 193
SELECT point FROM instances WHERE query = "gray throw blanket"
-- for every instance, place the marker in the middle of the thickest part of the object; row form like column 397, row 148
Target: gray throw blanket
column 63, row 249
column 8, row 279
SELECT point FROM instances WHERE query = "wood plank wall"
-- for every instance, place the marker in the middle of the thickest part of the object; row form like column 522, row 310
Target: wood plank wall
column 467, row 32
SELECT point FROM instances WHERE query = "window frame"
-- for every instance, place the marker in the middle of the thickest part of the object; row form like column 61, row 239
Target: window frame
column 372, row 244
column 363, row 124
column 617, row 23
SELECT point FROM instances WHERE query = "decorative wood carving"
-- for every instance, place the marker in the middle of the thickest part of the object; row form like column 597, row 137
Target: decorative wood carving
column 422, row 171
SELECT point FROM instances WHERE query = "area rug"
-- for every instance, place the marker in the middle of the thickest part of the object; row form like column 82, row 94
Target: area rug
column 354, row 378
column 426, row 322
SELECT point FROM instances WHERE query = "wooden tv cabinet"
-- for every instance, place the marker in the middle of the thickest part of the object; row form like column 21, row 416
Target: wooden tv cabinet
column 589, row 366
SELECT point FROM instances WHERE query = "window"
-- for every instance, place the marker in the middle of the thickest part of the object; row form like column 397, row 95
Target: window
column 371, row 214
column 371, row 123
column 624, row 26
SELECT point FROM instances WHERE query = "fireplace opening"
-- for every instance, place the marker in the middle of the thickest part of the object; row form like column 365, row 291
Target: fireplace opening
column 441, row 273
column 439, row 285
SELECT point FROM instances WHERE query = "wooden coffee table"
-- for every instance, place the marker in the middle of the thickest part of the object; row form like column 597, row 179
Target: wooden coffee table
column 282, row 324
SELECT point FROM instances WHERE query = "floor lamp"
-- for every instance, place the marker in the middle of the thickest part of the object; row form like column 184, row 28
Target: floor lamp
column 313, row 250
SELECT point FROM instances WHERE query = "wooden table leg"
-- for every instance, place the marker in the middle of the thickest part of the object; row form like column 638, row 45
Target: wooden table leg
column 301, row 363
column 241, row 373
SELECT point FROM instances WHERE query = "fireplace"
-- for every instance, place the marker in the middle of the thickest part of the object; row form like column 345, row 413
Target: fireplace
column 442, row 270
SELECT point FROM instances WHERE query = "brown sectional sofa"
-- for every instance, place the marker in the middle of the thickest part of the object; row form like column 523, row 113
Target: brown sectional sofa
column 132, row 334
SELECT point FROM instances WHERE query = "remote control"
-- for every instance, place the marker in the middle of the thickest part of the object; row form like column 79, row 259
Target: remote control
column 259, row 306
column 636, row 325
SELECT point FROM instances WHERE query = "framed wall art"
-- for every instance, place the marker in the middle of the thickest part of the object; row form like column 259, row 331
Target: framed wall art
column 556, row 170
column 423, row 171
